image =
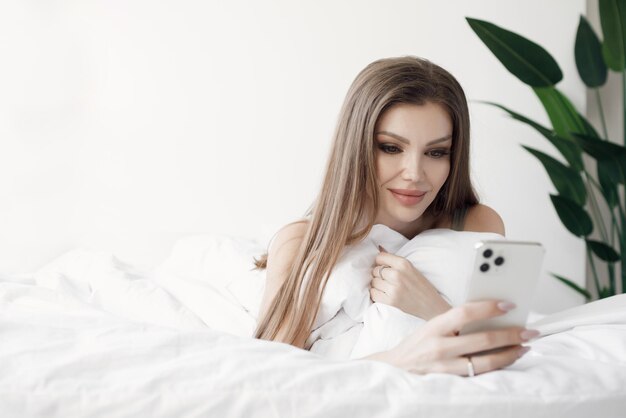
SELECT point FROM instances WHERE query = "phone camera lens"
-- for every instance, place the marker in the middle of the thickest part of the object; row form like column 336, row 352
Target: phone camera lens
column 499, row 261
column 484, row 267
column 487, row 253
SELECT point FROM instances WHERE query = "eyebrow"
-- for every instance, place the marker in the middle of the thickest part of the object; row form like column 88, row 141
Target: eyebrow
column 406, row 141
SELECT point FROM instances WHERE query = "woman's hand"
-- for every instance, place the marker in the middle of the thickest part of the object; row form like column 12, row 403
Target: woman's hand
column 436, row 346
column 398, row 283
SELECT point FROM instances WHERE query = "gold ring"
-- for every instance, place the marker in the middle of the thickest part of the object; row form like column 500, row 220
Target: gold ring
column 380, row 271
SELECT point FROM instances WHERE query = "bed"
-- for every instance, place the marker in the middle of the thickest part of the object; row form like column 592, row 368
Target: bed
column 90, row 335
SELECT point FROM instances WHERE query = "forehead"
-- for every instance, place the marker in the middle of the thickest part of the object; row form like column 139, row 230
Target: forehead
column 420, row 123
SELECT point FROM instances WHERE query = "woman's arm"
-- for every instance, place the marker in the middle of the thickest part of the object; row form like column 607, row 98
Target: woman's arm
column 280, row 258
column 436, row 347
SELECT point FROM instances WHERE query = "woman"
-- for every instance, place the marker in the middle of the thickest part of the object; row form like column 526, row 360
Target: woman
column 400, row 157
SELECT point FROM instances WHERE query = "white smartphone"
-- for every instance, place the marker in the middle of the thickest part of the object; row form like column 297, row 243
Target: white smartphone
column 504, row 270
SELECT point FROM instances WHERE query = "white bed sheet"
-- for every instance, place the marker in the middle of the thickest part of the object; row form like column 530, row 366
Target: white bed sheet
column 89, row 336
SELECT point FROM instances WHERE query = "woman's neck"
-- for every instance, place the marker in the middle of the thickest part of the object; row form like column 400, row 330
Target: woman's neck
column 425, row 222
column 409, row 231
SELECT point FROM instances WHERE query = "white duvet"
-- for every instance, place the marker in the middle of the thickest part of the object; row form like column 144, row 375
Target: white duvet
column 350, row 326
column 89, row 336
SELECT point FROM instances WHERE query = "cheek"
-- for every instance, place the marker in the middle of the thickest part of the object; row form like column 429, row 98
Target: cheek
column 445, row 174
column 383, row 171
column 441, row 175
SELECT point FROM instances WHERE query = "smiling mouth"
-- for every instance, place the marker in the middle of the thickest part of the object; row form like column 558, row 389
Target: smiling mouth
column 408, row 200
column 408, row 193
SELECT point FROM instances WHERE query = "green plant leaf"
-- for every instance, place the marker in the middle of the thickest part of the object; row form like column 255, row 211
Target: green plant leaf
column 573, row 285
column 562, row 114
column 613, row 20
column 569, row 149
column 526, row 60
column 603, row 251
column 588, row 128
column 608, row 186
column 588, row 54
column 572, row 215
column 613, row 170
column 567, row 181
column 611, row 156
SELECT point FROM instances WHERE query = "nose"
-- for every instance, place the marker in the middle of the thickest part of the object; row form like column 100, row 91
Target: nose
column 412, row 169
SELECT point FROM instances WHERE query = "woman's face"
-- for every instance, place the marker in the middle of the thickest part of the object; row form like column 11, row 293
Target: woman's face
column 413, row 145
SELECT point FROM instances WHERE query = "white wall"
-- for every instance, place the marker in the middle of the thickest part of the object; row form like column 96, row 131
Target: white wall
column 128, row 124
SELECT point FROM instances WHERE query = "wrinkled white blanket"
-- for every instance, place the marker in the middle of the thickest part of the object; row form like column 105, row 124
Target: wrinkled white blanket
column 91, row 336
column 350, row 325
column 212, row 276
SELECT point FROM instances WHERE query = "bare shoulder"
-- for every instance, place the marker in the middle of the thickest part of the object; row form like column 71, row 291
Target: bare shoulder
column 294, row 231
column 280, row 258
column 482, row 218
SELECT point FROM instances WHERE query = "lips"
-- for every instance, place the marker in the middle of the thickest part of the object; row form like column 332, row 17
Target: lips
column 408, row 192
column 408, row 200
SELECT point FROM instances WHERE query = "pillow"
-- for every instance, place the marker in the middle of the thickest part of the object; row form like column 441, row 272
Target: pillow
column 213, row 276
column 98, row 279
column 444, row 256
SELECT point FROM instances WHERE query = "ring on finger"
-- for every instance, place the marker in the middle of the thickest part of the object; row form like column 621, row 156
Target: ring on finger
column 470, row 367
column 380, row 271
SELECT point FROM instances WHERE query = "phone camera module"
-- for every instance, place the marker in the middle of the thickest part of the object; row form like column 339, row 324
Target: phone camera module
column 487, row 253
column 499, row 261
column 484, row 267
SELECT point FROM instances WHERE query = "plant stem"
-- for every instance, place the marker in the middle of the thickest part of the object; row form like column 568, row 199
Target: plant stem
column 622, row 251
column 616, row 230
column 624, row 104
column 618, row 206
column 621, row 235
column 599, row 100
column 622, row 218
column 593, row 269
column 595, row 209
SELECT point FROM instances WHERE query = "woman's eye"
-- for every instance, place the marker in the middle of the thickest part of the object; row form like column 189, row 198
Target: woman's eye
column 389, row 149
column 439, row 153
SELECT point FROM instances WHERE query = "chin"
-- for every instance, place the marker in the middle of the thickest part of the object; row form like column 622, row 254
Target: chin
column 406, row 215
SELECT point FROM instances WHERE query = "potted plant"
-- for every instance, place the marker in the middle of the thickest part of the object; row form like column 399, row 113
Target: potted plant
column 572, row 135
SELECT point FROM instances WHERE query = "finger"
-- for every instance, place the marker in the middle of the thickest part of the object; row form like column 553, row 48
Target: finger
column 381, row 285
column 479, row 364
column 391, row 260
column 376, row 270
column 451, row 321
column 386, row 273
column 483, row 341
column 378, row 296
column 488, row 362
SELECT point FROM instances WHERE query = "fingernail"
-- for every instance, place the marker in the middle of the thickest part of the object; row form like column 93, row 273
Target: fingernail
column 529, row 334
column 506, row 306
column 523, row 351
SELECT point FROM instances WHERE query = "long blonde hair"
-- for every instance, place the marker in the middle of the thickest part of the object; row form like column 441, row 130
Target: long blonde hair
column 349, row 194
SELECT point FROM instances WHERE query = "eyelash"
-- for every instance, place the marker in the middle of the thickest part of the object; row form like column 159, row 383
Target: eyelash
column 385, row 148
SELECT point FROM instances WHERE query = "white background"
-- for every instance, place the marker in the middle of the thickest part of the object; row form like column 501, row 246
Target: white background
column 125, row 125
